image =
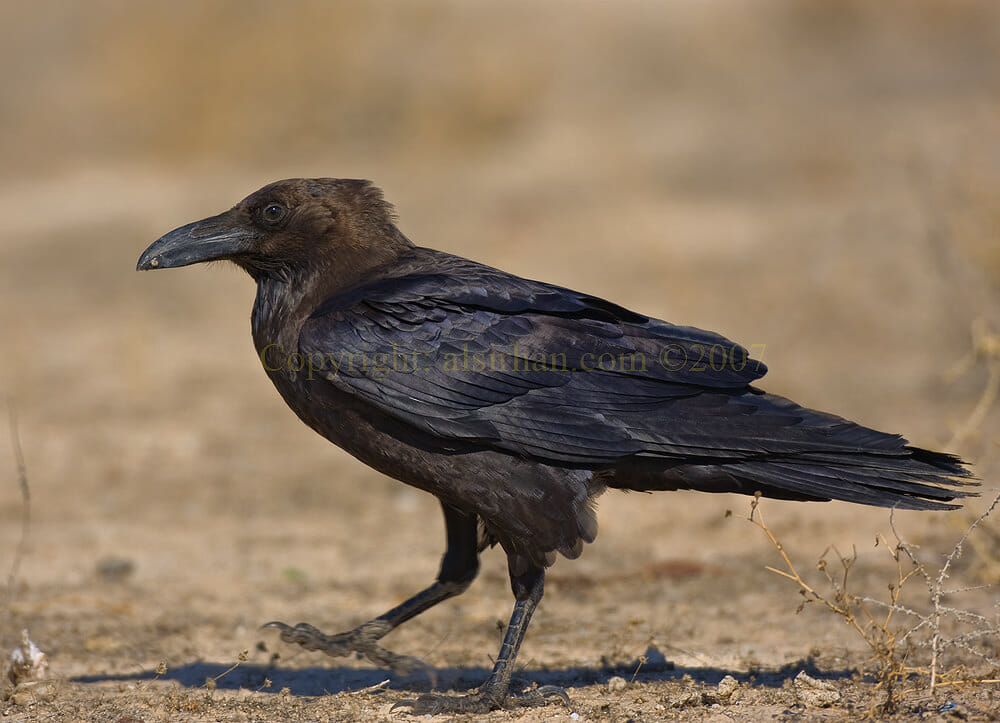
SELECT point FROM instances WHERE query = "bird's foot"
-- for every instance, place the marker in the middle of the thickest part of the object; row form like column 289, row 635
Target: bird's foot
column 482, row 701
column 363, row 640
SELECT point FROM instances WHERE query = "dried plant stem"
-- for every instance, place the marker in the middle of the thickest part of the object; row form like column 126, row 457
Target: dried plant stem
column 966, row 682
column 756, row 518
column 986, row 346
column 938, row 588
column 22, row 475
column 982, row 408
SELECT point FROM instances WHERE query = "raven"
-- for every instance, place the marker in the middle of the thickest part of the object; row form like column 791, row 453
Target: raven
column 515, row 402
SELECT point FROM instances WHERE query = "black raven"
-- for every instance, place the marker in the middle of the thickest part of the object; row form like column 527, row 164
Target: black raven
column 515, row 402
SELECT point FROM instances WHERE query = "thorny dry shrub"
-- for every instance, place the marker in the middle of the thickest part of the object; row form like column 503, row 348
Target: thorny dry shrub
column 910, row 645
column 926, row 646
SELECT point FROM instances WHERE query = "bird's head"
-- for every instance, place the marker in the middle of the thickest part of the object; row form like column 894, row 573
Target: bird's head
column 316, row 223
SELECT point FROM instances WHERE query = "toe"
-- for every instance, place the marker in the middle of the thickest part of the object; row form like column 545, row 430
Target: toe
column 433, row 704
column 303, row 634
column 482, row 701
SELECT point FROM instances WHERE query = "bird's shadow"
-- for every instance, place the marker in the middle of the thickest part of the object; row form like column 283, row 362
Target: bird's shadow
column 316, row 681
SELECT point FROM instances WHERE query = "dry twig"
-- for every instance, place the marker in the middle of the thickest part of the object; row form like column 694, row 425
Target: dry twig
column 22, row 476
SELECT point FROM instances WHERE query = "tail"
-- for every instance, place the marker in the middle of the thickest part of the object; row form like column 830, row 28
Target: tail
column 913, row 479
column 785, row 451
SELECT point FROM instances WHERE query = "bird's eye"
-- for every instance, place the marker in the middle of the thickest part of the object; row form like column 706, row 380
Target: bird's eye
column 273, row 213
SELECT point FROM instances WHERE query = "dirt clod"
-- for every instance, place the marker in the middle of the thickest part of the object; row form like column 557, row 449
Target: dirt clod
column 686, row 699
column 727, row 688
column 36, row 691
column 815, row 693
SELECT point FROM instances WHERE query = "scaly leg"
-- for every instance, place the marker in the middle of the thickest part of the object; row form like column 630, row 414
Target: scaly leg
column 495, row 692
column 458, row 570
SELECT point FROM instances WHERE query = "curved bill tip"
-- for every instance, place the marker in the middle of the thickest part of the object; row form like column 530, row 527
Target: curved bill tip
column 147, row 261
column 212, row 239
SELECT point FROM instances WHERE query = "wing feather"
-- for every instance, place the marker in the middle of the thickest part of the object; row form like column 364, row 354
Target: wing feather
column 517, row 367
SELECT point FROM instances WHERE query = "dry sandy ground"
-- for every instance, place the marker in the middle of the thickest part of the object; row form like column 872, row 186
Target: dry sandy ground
column 821, row 178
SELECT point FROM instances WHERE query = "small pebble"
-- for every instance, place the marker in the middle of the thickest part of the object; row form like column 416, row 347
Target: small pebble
column 617, row 683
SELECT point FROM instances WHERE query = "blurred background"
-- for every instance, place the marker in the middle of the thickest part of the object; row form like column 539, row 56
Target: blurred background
column 821, row 177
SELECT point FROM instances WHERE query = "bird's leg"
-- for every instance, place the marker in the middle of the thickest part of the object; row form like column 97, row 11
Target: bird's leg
column 495, row 692
column 458, row 569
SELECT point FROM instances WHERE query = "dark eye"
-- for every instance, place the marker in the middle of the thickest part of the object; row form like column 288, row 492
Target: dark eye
column 273, row 213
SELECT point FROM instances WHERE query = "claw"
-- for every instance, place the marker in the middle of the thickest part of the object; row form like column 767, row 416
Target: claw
column 550, row 691
column 410, row 703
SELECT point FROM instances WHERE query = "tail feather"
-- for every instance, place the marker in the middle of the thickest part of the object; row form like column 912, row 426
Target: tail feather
column 866, row 479
column 786, row 451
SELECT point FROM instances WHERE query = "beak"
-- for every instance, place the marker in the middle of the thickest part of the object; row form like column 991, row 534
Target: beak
column 211, row 239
